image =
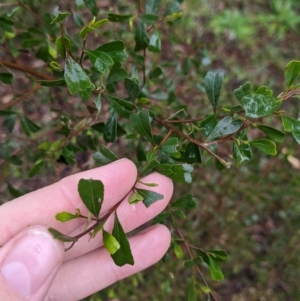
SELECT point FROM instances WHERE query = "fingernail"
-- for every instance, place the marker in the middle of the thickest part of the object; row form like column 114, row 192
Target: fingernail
column 30, row 262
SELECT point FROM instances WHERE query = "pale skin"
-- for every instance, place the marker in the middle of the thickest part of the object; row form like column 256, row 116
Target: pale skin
column 29, row 249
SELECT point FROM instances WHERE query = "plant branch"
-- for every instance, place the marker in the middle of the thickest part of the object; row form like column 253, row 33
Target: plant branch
column 31, row 12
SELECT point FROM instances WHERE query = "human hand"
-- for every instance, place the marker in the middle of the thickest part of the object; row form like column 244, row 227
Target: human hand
column 34, row 266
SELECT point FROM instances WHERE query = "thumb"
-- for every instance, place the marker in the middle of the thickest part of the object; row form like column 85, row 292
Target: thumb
column 28, row 264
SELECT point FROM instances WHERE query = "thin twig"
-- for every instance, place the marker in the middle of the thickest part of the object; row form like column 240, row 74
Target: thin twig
column 31, row 12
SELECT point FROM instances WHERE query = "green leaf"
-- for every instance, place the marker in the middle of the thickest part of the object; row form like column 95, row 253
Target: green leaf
column 104, row 156
column 9, row 121
column 241, row 151
column 177, row 172
column 178, row 250
column 123, row 255
column 110, row 129
column 148, row 167
column 60, row 17
column 264, row 91
column 63, row 45
column 141, row 155
column 291, row 72
column 214, row 269
column 97, row 229
column 52, row 83
column 170, row 147
column 141, row 38
column 85, row 30
column 141, row 123
column 100, row 23
column 98, row 104
column 110, row 243
column 28, row 126
column 91, row 193
column 273, row 133
column 267, row 146
column 213, row 84
column 77, row 80
column 6, row 78
column 292, row 125
column 208, row 124
column 35, row 169
column 77, row 19
column 173, row 7
column 115, row 49
column 92, row 6
column 242, row 91
column 118, row 18
column 100, row 60
column 6, row 24
column 185, row 202
column 149, row 196
column 135, row 198
column 148, row 19
column 191, row 295
column 155, row 73
column 13, row 191
column 122, row 107
column 66, row 216
column 218, row 254
column 57, row 235
column 116, row 74
column 226, row 126
column 192, row 152
column 188, row 264
column 152, row 6
column 155, row 42
column 232, row 109
column 132, row 87
column 257, row 105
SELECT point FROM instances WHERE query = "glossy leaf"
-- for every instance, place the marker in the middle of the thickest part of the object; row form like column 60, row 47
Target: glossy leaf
column 155, row 73
column 77, row 80
column 123, row 255
column 118, row 18
column 141, row 38
column 292, row 125
column 100, row 60
column 267, row 146
column 208, row 124
column 140, row 153
column 92, row 6
column 141, row 123
column 192, row 153
column 218, row 254
column 257, row 105
column 155, row 42
column 9, row 121
column 152, row 6
column 110, row 128
column 177, row 172
column 104, row 156
column 213, row 82
column 116, row 74
column 178, row 250
column 52, row 83
column 185, row 202
column 60, row 17
column 98, row 104
column 242, row 91
column 173, row 7
column 63, row 45
column 132, row 88
column 66, row 216
column 57, row 235
column 214, row 269
column 91, row 193
column 264, row 91
column 115, row 49
column 291, row 72
column 241, row 152
column 149, row 196
column 170, row 147
column 97, row 229
column 148, row 19
column 6, row 78
column 122, row 107
column 226, row 126
column 110, row 243
column 273, row 133
column 134, row 198
column 36, row 168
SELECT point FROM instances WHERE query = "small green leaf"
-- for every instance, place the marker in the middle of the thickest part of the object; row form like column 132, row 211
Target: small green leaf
column 123, row 255
column 173, row 7
column 77, row 19
column 122, row 107
column 110, row 243
column 192, row 262
column 292, row 125
column 9, row 121
column 226, row 126
column 97, row 229
column 6, row 78
column 241, row 151
column 148, row 167
column 6, row 24
column 177, row 172
column 267, row 146
column 155, row 73
column 291, row 72
column 135, row 198
column 213, row 82
column 141, row 38
column 63, row 45
column 116, row 74
column 92, row 6
column 104, row 156
column 208, row 124
column 148, row 19
column 170, row 147
column 77, row 80
column 185, row 202
column 214, row 269
column 132, row 88
column 191, row 296
column 218, row 254
column 273, row 133
column 141, row 123
column 13, row 191
column 264, row 91
column 242, row 91
column 118, row 18
column 100, row 23
column 152, row 6
column 85, row 30
column 205, row 288
column 52, row 83
column 257, row 105
column 57, row 235
column 192, row 153
column 60, row 17
column 155, row 42
column 100, row 60
column 115, row 49
column 98, row 104
column 36, row 168
column 66, row 216
column 91, row 193
column 110, row 129
column 141, row 155
column 178, row 250
column 149, row 196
